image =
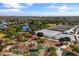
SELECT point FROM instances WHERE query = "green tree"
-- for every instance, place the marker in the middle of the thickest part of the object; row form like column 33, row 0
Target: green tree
column 52, row 51
column 40, row 34
column 62, row 39
column 68, row 53
column 1, row 48
column 75, row 48
column 67, row 39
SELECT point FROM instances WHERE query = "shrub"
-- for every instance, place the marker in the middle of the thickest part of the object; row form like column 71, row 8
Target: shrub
column 52, row 51
column 39, row 40
column 1, row 48
column 68, row 53
column 67, row 39
column 27, row 35
column 62, row 39
column 40, row 34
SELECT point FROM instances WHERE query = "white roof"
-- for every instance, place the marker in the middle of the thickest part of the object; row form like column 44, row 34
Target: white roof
column 55, row 34
column 49, row 33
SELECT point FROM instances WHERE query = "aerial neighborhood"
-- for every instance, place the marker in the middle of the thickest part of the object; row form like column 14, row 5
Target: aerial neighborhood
column 39, row 36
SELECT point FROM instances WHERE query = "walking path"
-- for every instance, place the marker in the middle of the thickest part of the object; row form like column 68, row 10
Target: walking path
column 60, row 49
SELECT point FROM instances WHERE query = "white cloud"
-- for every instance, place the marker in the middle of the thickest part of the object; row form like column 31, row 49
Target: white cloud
column 63, row 8
column 12, row 5
column 16, row 5
column 11, row 12
column 29, row 4
column 51, row 7
column 39, row 1
column 14, row 8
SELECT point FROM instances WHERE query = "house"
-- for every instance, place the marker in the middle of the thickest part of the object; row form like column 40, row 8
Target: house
column 26, row 28
column 3, row 25
column 49, row 33
column 62, row 31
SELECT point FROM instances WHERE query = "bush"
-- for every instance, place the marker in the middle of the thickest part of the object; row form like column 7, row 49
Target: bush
column 62, row 39
column 24, row 40
column 8, row 35
column 52, row 51
column 75, row 48
column 27, row 35
column 1, row 48
column 39, row 40
column 67, row 39
column 68, row 53
column 40, row 34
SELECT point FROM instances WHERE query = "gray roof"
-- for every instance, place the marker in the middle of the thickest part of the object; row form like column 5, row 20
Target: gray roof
column 55, row 34
column 61, row 28
column 49, row 33
column 2, row 26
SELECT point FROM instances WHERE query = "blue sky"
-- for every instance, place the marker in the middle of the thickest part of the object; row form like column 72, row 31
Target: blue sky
column 39, row 9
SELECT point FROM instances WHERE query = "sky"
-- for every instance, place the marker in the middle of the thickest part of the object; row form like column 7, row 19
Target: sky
column 39, row 9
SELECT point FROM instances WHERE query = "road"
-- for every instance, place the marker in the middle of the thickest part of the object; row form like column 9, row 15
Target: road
column 60, row 49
